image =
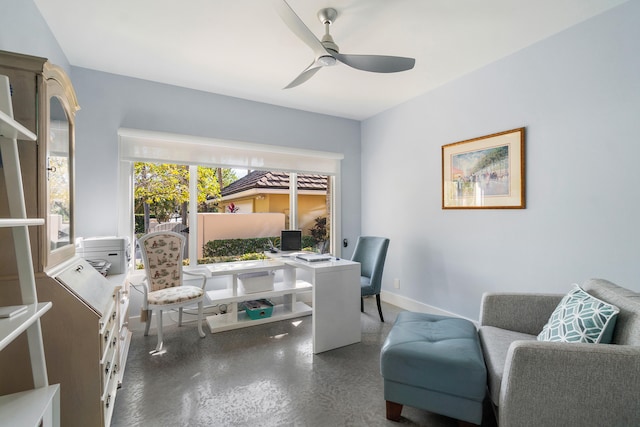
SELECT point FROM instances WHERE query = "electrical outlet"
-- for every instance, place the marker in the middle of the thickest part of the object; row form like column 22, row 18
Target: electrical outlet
column 396, row 283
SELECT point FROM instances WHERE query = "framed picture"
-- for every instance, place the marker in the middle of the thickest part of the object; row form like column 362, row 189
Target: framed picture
column 485, row 172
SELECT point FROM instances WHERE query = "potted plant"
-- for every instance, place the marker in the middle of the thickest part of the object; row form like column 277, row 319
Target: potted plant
column 320, row 234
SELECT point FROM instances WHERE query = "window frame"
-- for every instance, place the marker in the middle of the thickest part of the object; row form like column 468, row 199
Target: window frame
column 149, row 146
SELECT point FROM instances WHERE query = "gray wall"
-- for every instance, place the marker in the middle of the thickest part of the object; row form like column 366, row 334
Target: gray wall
column 23, row 30
column 578, row 95
column 110, row 101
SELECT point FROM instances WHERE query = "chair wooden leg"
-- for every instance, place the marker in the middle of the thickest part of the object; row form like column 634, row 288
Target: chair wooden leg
column 361, row 305
column 379, row 307
column 200, row 309
column 394, row 410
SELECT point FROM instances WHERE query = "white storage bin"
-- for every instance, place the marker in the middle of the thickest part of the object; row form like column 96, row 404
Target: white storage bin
column 260, row 281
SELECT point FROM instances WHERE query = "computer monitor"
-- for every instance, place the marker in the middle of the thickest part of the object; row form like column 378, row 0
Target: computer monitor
column 291, row 240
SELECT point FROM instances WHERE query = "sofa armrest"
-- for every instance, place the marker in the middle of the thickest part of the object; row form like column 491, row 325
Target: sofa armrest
column 519, row 312
column 574, row 384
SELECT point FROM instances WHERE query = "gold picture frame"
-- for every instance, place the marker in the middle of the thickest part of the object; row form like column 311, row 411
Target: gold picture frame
column 485, row 172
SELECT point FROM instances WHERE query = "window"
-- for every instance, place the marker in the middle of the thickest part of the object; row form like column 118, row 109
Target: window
column 263, row 200
column 310, row 169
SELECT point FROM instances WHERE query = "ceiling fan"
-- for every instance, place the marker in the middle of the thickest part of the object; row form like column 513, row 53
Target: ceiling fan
column 327, row 52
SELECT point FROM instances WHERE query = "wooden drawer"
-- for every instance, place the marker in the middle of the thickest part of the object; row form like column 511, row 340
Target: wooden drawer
column 109, row 361
column 108, row 324
column 111, row 387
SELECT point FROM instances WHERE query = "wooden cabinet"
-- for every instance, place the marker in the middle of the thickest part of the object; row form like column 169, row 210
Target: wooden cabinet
column 25, row 76
column 82, row 341
column 86, row 339
column 84, row 334
column 45, row 103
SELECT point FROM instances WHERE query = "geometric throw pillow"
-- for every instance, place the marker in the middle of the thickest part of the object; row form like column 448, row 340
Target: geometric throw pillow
column 580, row 317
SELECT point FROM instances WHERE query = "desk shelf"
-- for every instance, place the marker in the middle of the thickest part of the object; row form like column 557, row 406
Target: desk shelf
column 241, row 267
column 233, row 295
column 228, row 321
column 225, row 296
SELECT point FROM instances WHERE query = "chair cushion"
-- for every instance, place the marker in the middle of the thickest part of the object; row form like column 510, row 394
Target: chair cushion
column 436, row 353
column 174, row 295
column 495, row 345
column 580, row 317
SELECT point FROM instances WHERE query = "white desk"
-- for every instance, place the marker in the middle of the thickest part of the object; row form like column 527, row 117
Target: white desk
column 336, row 303
column 335, row 287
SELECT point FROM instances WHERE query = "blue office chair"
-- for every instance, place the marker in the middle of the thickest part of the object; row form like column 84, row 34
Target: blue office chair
column 371, row 253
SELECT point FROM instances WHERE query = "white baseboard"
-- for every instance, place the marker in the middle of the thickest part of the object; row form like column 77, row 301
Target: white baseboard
column 171, row 317
column 413, row 305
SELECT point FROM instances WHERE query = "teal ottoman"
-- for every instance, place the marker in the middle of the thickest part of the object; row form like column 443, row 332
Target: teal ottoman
column 434, row 363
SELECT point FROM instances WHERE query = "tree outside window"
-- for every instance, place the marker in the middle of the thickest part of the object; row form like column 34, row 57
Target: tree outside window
column 161, row 191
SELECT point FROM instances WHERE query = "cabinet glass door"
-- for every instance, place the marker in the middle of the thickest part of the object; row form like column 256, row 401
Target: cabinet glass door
column 59, row 178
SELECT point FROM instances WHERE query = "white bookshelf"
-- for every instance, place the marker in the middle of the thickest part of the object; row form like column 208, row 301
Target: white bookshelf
column 18, row 222
column 233, row 295
column 11, row 129
column 225, row 296
column 41, row 405
column 12, row 327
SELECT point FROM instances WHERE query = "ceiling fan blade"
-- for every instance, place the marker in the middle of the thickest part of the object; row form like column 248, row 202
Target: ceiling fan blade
column 305, row 75
column 376, row 63
column 298, row 27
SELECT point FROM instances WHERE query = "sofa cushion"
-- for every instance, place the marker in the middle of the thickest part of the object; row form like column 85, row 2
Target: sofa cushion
column 627, row 330
column 580, row 317
column 495, row 344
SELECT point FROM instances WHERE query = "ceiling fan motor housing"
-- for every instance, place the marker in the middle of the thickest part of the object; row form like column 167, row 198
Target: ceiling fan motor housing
column 327, row 17
column 327, row 42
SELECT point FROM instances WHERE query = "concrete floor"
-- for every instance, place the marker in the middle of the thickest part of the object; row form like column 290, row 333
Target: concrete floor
column 262, row 376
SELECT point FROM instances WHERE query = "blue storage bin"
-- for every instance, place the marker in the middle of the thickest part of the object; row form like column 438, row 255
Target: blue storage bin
column 258, row 309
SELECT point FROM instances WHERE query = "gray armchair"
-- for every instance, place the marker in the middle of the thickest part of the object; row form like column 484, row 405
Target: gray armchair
column 371, row 253
column 534, row 383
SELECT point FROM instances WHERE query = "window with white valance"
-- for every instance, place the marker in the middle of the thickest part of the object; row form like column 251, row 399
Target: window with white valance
column 159, row 147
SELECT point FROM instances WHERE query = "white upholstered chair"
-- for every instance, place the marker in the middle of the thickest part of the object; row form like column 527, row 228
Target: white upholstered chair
column 163, row 285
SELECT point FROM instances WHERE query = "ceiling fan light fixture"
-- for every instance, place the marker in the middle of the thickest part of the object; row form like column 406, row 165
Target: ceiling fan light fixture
column 327, row 61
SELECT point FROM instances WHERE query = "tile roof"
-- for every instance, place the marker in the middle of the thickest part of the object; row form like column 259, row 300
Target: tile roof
column 275, row 181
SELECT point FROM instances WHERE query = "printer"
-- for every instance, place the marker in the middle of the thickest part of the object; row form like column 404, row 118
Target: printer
column 113, row 250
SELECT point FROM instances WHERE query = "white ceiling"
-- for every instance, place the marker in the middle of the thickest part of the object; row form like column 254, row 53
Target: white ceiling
column 242, row 48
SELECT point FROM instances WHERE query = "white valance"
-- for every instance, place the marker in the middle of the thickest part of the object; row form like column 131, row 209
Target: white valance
column 151, row 146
